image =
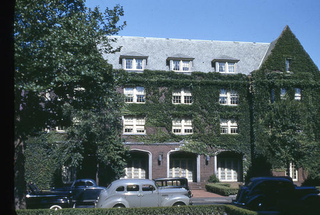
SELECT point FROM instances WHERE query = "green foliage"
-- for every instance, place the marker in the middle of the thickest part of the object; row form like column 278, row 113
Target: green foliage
column 194, row 209
column 205, row 111
column 287, row 130
column 221, row 189
column 213, row 179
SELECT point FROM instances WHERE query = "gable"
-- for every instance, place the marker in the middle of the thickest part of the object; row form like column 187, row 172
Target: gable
column 287, row 46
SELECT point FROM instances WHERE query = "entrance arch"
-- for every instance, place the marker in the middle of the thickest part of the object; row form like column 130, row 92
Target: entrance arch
column 183, row 164
column 229, row 166
column 139, row 164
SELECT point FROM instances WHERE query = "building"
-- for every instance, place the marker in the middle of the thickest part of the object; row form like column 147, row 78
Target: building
column 200, row 95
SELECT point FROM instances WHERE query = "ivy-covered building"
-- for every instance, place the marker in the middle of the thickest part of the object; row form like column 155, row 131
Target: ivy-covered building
column 194, row 108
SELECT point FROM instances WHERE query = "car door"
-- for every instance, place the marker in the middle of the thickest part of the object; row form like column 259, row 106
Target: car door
column 133, row 195
column 90, row 193
column 149, row 196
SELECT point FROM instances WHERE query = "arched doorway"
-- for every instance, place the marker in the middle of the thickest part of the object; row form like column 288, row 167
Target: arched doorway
column 138, row 166
column 229, row 166
column 183, row 164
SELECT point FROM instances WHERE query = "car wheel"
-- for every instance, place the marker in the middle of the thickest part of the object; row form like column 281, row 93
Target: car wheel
column 119, row 206
column 55, row 207
column 257, row 205
column 178, row 204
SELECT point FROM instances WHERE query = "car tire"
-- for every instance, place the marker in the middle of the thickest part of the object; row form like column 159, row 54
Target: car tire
column 55, row 207
column 178, row 204
column 119, row 206
column 257, row 205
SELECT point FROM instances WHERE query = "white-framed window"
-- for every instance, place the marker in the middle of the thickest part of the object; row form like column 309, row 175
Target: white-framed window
column 226, row 67
column 134, row 94
column 182, row 126
column 292, row 172
column 230, row 97
column 228, row 126
column 134, row 63
column 297, row 94
column 180, row 65
column 228, row 169
column 133, row 125
column 182, row 96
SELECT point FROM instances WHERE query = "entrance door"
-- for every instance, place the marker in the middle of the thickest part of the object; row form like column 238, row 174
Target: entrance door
column 228, row 168
column 181, row 167
column 137, row 169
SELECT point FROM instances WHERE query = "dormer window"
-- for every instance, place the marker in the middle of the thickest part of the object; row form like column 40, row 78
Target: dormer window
column 180, row 63
column 225, row 64
column 133, row 61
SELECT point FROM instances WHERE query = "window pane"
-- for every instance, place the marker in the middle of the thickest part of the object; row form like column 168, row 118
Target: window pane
column 141, row 98
column 188, row 99
column 138, row 63
column 222, row 67
column 185, row 65
column 176, row 99
column 176, row 65
column 231, row 67
column 129, row 63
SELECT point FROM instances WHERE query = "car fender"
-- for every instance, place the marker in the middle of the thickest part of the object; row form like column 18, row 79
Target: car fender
column 111, row 202
column 311, row 195
column 255, row 197
column 170, row 201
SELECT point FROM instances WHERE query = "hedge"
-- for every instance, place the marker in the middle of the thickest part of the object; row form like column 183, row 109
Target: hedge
column 193, row 209
column 221, row 189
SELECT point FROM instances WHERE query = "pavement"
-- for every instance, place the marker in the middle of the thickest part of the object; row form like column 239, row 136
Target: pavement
column 202, row 196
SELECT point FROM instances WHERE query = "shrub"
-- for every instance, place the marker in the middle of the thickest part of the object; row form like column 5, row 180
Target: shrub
column 213, row 179
column 194, row 209
column 221, row 189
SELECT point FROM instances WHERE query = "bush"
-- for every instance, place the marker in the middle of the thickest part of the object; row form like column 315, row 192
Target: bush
column 193, row 209
column 213, row 179
column 221, row 189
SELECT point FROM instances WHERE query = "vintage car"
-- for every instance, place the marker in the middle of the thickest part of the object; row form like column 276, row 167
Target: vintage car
column 84, row 192
column 130, row 193
column 37, row 198
column 176, row 182
column 276, row 193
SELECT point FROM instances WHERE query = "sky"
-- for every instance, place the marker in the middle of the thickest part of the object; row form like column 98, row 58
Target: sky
column 223, row 20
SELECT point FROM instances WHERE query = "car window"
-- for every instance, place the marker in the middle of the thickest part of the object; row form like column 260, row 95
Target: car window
column 119, row 189
column 80, row 184
column 159, row 183
column 133, row 187
column 147, row 187
column 89, row 184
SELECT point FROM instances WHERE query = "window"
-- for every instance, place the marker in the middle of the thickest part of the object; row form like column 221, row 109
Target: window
column 148, row 187
column 133, row 63
column 228, row 126
column 288, row 61
column 134, row 94
column 132, row 187
column 180, row 65
column 182, row 96
column 292, row 172
column 120, row 189
column 228, row 97
column 228, row 169
column 182, row 126
column 283, row 93
column 226, row 67
column 297, row 94
column 133, row 125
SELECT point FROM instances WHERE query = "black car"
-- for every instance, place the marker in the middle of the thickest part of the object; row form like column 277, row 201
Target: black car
column 276, row 193
column 177, row 182
column 37, row 198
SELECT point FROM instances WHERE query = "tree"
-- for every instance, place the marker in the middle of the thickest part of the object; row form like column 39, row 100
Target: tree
column 59, row 67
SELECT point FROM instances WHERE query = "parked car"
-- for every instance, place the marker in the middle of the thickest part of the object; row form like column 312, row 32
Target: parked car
column 84, row 192
column 277, row 193
column 177, row 182
column 140, row 193
column 37, row 198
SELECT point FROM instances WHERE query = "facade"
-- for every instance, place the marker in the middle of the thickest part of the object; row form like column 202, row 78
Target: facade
column 189, row 105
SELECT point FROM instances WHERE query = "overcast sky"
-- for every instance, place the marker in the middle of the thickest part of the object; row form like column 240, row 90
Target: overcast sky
column 225, row 20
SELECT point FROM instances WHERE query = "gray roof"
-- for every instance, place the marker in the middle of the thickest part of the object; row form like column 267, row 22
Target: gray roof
column 203, row 52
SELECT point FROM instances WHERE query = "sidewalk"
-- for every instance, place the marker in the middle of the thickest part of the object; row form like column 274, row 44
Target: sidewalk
column 202, row 196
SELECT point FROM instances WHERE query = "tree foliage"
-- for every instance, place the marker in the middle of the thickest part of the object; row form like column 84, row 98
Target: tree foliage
column 60, row 76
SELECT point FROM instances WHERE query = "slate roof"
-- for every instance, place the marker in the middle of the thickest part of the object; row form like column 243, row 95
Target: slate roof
column 203, row 52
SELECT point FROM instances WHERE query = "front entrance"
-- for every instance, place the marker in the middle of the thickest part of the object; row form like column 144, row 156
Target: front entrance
column 183, row 164
column 229, row 167
column 137, row 166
